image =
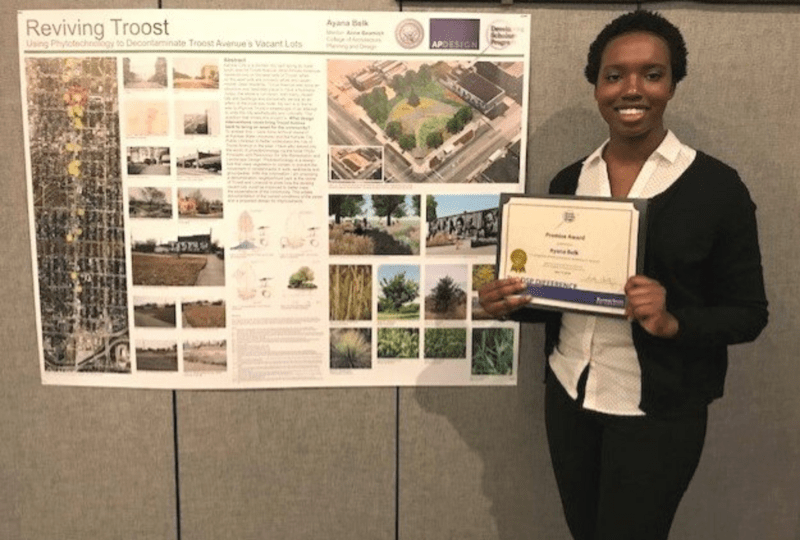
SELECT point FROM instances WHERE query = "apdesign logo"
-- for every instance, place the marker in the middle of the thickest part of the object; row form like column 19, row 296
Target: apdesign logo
column 409, row 34
column 461, row 34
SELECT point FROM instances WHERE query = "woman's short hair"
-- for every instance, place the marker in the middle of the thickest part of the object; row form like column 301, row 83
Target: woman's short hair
column 639, row 21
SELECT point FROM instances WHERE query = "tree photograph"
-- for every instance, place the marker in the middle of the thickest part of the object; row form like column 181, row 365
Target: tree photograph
column 446, row 297
column 150, row 202
column 398, row 294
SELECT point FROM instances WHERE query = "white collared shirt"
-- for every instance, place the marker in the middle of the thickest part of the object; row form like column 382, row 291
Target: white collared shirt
column 605, row 344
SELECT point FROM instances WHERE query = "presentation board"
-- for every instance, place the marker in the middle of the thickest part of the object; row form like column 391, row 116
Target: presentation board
column 260, row 208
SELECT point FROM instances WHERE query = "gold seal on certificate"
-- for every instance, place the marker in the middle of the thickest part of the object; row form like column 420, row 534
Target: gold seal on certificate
column 518, row 258
column 574, row 253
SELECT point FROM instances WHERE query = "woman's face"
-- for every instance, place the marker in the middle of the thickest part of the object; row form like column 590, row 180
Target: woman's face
column 634, row 86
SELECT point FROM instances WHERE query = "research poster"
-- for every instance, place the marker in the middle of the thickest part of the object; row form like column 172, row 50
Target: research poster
column 218, row 200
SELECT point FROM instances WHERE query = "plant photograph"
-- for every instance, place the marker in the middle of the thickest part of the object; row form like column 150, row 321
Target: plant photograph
column 446, row 296
column 398, row 292
column 303, row 278
column 398, row 343
column 374, row 224
column 351, row 348
column 481, row 275
column 445, row 343
column 492, row 351
column 350, row 292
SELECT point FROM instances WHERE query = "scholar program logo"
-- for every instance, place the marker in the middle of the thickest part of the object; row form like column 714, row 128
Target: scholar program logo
column 500, row 34
column 409, row 34
column 461, row 34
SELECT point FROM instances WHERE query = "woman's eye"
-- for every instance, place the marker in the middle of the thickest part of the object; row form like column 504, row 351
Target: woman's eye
column 611, row 77
column 654, row 75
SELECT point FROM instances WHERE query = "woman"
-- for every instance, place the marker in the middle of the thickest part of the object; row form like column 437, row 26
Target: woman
column 626, row 400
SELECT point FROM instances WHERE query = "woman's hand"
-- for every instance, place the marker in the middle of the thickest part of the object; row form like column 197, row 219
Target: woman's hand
column 647, row 304
column 502, row 296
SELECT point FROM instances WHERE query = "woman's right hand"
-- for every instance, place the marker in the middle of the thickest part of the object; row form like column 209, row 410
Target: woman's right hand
column 502, row 296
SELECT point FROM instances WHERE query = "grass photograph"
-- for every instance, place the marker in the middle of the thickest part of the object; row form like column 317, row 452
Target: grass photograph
column 492, row 351
column 351, row 348
column 203, row 313
column 398, row 343
column 398, row 294
column 154, row 313
column 154, row 355
column 350, row 290
column 446, row 297
column 161, row 269
column 205, row 355
column 445, row 343
column 192, row 257
column 362, row 224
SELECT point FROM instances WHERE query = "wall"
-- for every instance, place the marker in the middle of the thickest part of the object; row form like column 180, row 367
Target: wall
column 418, row 463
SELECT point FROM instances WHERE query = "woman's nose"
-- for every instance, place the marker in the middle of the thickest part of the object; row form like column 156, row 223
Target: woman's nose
column 633, row 86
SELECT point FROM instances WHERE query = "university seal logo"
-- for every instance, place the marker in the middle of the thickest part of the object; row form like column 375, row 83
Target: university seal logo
column 409, row 34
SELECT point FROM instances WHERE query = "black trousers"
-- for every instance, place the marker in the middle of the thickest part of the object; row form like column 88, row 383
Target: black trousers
column 620, row 477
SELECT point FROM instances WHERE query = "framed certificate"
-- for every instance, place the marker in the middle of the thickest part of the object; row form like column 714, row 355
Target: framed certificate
column 574, row 253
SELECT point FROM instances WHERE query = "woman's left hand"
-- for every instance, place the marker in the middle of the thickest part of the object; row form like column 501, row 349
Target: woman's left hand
column 647, row 304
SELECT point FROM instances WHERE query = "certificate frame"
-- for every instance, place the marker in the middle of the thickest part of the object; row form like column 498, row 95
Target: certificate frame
column 574, row 252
